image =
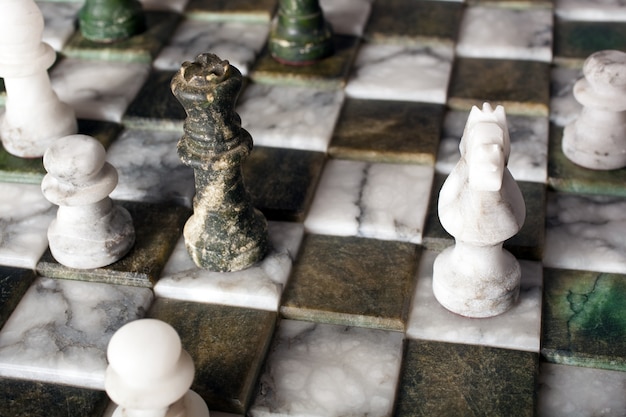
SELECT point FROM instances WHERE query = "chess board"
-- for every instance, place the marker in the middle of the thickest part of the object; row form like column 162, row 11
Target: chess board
column 339, row 319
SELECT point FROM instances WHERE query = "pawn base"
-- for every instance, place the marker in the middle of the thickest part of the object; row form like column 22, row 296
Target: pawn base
column 597, row 151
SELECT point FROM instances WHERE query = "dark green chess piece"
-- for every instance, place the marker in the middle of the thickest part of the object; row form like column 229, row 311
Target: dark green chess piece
column 300, row 35
column 225, row 233
column 111, row 20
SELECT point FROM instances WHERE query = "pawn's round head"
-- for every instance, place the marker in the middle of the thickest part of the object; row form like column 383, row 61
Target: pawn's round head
column 75, row 158
column 606, row 72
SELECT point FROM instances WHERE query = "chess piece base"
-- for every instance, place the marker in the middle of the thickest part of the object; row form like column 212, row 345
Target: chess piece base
column 594, row 145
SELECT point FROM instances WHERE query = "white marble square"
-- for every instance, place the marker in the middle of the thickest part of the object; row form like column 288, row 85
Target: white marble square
column 519, row 328
column 563, row 106
column 25, row 215
column 573, row 391
column 529, row 145
column 381, row 201
column 237, row 42
column 331, row 371
column 347, row 17
column 506, row 33
column 149, row 168
column 59, row 21
column 98, row 90
column 400, row 72
column 60, row 330
column 290, row 117
column 585, row 233
column 591, row 10
column 259, row 286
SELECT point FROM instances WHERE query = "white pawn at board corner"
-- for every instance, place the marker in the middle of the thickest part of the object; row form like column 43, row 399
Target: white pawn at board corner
column 34, row 116
column 150, row 374
column 481, row 206
column 89, row 231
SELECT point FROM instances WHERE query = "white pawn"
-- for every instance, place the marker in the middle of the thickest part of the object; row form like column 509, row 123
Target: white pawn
column 597, row 138
column 480, row 205
column 149, row 373
column 34, row 115
column 89, row 230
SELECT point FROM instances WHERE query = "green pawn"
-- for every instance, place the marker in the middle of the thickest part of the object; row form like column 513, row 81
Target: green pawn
column 108, row 21
column 300, row 34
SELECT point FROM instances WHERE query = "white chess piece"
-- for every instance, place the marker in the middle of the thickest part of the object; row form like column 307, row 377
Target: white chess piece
column 480, row 205
column 597, row 138
column 89, row 230
column 149, row 373
column 34, row 115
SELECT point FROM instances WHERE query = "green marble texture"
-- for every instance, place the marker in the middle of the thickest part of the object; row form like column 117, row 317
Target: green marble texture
column 31, row 170
column 574, row 41
column 410, row 22
column 157, row 229
column 396, row 131
column 352, row 281
column 444, row 379
column 329, row 73
column 24, row 398
column 142, row 47
column 564, row 175
column 282, row 181
column 13, row 284
column 227, row 344
column 528, row 243
column 522, row 87
column 111, row 20
column 232, row 10
column 584, row 319
column 154, row 106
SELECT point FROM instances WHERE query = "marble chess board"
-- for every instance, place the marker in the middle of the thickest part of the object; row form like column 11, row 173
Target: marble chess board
column 339, row 319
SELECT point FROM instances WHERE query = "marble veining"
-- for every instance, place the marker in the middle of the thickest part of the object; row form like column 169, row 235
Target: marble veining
column 563, row 106
column 387, row 71
column 327, row 370
column 501, row 32
column 573, row 391
column 519, row 328
column 237, row 42
column 24, row 218
column 60, row 330
column 98, row 90
column 59, row 18
column 529, row 145
column 382, row 201
column 591, row 10
column 259, row 286
column 347, row 17
column 149, row 169
column 289, row 117
column 175, row 5
column 586, row 233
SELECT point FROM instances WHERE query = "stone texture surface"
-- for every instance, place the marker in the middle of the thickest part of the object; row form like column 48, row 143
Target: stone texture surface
column 13, row 284
column 574, row 41
column 243, row 10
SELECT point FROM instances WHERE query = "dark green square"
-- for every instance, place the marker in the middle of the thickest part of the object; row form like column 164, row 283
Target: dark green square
column 564, row 175
column 413, row 21
column 387, row 131
column 142, row 47
column 157, row 230
column 574, row 41
column 154, row 106
column 352, row 281
column 446, row 379
column 528, row 243
column 31, row 170
column 227, row 344
column 282, row 181
column 328, row 73
column 234, row 10
column 584, row 318
column 23, row 398
column 522, row 87
column 13, row 284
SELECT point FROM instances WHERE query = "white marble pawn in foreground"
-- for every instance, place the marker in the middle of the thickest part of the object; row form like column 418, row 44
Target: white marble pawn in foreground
column 89, row 230
column 149, row 373
column 597, row 138
column 34, row 116
column 480, row 205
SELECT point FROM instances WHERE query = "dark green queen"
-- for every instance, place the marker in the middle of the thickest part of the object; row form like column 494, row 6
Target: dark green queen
column 225, row 232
